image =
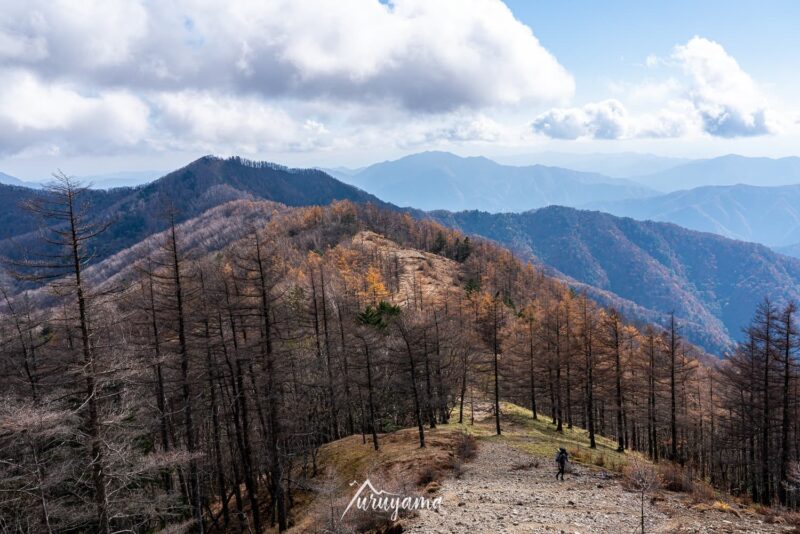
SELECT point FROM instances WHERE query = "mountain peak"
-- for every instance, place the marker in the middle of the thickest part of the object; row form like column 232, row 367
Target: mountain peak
column 439, row 157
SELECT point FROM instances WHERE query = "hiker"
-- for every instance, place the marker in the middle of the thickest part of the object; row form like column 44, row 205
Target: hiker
column 561, row 459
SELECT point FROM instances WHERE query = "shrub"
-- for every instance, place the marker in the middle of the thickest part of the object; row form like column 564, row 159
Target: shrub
column 458, row 467
column 429, row 474
column 703, row 492
column 466, row 446
column 674, row 478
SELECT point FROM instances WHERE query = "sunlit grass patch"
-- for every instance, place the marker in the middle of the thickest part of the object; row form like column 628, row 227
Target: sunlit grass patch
column 539, row 437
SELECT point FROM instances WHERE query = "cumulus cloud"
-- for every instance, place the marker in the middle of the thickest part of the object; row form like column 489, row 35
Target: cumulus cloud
column 726, row 97
column 601, row 120
column 716, row 97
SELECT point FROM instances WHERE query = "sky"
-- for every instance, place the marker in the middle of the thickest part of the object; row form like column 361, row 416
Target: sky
column 97, row 86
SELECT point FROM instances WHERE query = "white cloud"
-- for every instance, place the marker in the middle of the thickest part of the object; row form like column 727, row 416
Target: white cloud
column 715, row 98
column 250, row 76
column 56, row 117
column 204, row 121
column 422, row 55
column 601, row 120
column 726, row 97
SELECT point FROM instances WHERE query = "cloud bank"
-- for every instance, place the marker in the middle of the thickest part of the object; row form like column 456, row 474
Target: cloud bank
column 259, row 71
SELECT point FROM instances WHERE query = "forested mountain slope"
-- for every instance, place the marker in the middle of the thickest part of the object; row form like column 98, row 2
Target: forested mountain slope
column 185, row 193
column 206, row 383
column 711, row 282
column 644, row 269
column 16, row 221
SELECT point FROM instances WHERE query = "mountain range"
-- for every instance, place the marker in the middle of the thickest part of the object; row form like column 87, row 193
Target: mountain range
column 645, row 268
column 615, row 165
column 767, row 215
column 7, row 179
column 440, row 180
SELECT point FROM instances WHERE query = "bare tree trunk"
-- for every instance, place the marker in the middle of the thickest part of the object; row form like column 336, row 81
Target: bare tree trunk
column 183, row 352
column 417, row 409
column 268, row 358
column 532, row 366
column 673, row 426
column 495, row 351
column 788, row 346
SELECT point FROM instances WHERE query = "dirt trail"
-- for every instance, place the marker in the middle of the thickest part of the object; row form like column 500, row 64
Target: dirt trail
column 504, row 491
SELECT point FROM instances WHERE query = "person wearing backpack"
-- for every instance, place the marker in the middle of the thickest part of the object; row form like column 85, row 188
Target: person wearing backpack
column 561, row 459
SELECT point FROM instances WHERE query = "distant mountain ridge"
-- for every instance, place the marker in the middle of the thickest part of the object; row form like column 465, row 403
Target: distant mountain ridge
column 725, row 170
column 7, row 179
column 614, row 165
column 711, row 282
column 767, row 215
column 440, row 180
column 121, row 179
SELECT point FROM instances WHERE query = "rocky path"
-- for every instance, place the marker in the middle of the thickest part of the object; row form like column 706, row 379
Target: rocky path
column 504, row 490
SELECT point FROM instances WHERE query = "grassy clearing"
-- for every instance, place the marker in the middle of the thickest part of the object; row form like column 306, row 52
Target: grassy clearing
column 539, row 437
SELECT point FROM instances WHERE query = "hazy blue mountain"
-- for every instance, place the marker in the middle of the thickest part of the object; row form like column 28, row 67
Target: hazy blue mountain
column 95, row 181
column 616, row 165
column 767, row 215
column 121, row 179
column 792, row 250
column 711, row 282
column 7, row 179
column 726, row 170
column 341, row 173
column 440, row 180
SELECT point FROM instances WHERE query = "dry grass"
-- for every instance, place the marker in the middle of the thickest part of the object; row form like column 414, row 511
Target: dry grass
column 793, row 520
column 419, row 272
column 719, row 506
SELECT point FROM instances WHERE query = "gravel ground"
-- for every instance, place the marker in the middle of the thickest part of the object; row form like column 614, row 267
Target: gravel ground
column 503, row 491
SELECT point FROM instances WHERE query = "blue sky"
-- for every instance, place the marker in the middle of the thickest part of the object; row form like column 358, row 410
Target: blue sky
column 112, row 85
column 599, row 41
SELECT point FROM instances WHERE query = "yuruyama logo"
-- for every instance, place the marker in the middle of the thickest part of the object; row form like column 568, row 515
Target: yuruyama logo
column 369, row 499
